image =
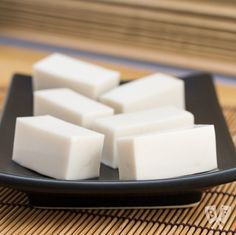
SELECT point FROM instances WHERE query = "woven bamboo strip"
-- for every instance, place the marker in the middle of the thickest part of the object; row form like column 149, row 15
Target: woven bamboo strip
column 144, row 42
column 142, row 13
column 170, row 32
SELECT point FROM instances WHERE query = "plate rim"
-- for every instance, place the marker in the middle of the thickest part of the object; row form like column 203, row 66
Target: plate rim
column 190, row 182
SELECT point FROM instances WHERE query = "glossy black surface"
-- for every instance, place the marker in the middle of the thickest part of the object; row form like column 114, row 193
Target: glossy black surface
column 108, row 190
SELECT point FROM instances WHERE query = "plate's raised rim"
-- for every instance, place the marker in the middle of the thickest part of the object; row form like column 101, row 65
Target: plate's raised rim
column 184, row 183
column 197, row 181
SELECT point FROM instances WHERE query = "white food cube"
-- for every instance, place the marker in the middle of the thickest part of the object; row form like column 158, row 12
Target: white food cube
column 60, row 71
column 167, row 154
column 152, row 91
column 70, row 106
column 121, row 125
column 57, row 148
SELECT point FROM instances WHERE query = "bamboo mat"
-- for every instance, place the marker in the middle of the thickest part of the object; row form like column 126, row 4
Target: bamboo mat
column 18, row 217
column 183, row 33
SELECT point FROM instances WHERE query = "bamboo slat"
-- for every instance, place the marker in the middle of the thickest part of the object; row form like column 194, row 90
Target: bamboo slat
column 20, row 218
column 183, row 33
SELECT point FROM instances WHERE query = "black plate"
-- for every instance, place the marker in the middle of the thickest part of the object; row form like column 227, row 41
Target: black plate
column 108, row 191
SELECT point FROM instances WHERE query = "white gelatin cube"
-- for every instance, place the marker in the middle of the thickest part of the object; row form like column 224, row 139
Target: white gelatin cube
column 121, row 125
column 57, row 148
column 60, row 71
column 152, row 91
column 70, row 106
column 167, row 154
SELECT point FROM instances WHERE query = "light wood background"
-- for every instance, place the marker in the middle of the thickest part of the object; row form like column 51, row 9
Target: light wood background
column 201, row 34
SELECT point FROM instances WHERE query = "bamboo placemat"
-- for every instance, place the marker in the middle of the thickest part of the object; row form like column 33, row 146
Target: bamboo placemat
column 18, row 217
column 183, row 32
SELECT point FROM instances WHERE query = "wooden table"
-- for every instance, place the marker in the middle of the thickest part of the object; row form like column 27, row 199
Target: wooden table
column 17, row 216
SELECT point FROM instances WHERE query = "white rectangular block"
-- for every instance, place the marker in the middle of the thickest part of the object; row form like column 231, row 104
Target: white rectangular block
column 57, row 148
column 150, row 120
column 60, row 71
column 69, row 106
column 149, row 92
column 167, row 154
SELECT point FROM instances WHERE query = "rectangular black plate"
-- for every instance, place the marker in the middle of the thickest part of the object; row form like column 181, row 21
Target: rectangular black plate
column 108, row 191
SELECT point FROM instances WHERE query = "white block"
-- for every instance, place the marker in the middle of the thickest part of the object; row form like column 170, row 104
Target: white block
column 167, row 154
column 57, row 148
column 60, row 71
column 122, row 125
column 69, row 106
column 149, row 92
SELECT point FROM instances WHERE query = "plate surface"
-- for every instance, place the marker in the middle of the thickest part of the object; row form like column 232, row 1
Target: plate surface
column 108, row 191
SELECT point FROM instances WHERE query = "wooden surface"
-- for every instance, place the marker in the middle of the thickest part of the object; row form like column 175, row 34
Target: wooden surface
column 18, row 217
column 182, row 33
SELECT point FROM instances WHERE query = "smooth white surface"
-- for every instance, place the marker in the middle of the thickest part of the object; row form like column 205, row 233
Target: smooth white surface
column 153, row 91
column 57, row 148
column 150, row 120
column 167, row 154
column 60, row 71
column 69, row 106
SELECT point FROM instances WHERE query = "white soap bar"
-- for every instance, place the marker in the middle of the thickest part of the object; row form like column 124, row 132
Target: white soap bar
column 149, row 92
column 60, row 71
column 57, row 148
column 69, row 106
column 167, row 154
column 122, row 125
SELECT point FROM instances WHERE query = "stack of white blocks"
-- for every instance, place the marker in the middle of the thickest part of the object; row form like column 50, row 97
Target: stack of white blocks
column 150, row 137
